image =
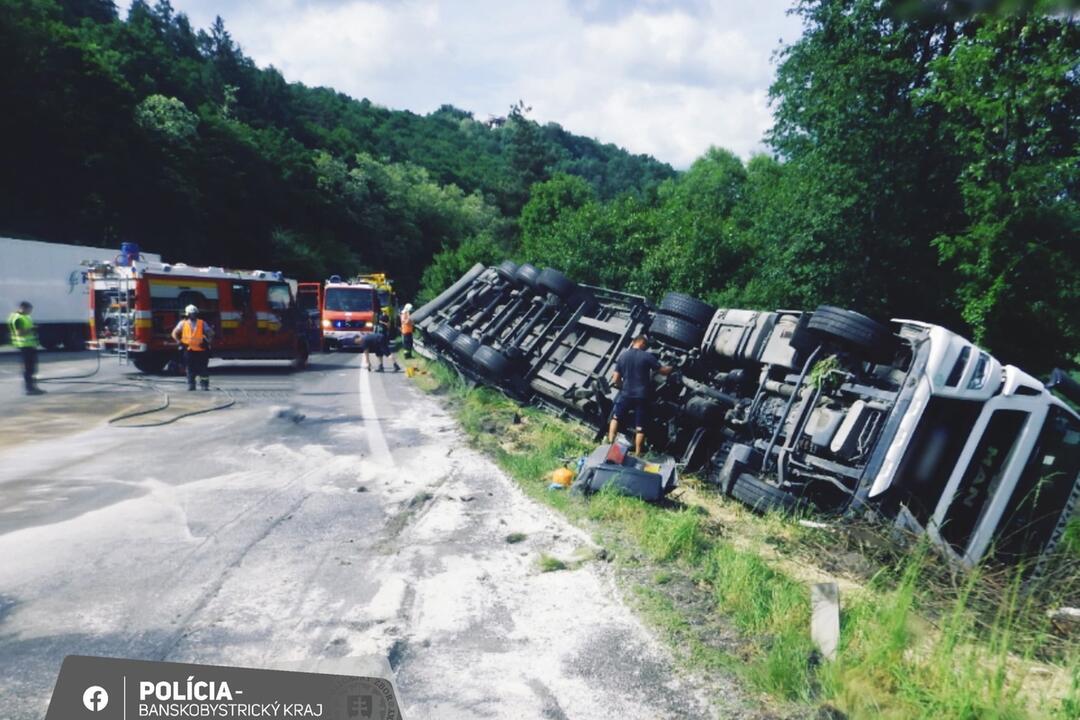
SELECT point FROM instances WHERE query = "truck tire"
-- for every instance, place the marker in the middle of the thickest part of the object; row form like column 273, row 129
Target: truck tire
column 852, row 329
column 760, row 496
column 556, row 283
column 688, row 308
column 527, row 275
column 75, row 339
column 676, row 331
column 491, row 363
column 507, row 270
column 49, row 337
column 465, row 346
column 445, row 335
column 300, row 360
column 150, row 363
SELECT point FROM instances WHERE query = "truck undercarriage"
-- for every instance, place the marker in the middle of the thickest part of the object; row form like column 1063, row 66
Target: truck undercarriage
column 828, row 410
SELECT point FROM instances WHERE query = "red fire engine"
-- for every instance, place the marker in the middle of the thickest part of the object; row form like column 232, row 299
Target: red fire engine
column 135, row 305
column 347, row 310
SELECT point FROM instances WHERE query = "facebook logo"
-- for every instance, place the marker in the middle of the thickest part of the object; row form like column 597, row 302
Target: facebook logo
column 95, row 698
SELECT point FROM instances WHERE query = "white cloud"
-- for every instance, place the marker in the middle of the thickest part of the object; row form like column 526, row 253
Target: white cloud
column 664, row 77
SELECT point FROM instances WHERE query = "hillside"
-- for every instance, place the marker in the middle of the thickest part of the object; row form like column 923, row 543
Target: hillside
column 147, row 129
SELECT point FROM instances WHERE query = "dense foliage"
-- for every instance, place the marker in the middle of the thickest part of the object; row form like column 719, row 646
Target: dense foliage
column 147, row 129
column 925, row 165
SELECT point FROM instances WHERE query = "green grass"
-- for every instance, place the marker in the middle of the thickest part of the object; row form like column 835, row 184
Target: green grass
column 549, row 563
column 967, row 661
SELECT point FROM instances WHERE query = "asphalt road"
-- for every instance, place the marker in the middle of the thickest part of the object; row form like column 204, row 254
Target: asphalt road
column 328, row 514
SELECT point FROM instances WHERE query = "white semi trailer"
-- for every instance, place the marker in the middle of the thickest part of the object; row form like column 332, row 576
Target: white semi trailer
column 51, row 277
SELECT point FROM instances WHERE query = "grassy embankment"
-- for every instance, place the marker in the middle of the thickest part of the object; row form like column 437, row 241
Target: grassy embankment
column 729, row 591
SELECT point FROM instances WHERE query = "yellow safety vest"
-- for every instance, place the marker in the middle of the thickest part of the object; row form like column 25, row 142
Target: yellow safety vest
column 21, row 327
column 192, row 335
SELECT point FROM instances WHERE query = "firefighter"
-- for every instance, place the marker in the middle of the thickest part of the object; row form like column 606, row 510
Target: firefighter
column 195, row 336
column 407, row 330
column 24, row 337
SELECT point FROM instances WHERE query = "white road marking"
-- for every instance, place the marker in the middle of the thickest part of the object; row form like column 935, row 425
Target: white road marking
column 380, row 451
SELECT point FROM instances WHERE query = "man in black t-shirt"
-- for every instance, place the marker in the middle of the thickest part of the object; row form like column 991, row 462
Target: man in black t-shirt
column 633, row 375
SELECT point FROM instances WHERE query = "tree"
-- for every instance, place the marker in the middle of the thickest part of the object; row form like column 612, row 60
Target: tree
column 870, row 180
column 1010, row 90
column 167, row 118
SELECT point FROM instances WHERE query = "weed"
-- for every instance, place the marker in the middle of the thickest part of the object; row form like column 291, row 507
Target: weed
column 549, row 563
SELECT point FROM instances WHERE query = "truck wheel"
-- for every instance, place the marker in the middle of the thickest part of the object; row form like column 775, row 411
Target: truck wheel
column 527, row 275
column 507, row 270
column 300, row 361
column 760, row 496
column 492, row 363
column 688, row 308
column 150, row 363
column 75, row 339
column 852, row 329
column 676, row 331
column 556, row 283
column 49, row 338
column 465, row 346
column 445, row 334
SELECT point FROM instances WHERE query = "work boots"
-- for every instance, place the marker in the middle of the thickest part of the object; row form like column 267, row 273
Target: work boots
column 204, row 384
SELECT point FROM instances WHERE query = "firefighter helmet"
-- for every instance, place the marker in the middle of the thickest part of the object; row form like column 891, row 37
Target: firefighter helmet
column 191, row 310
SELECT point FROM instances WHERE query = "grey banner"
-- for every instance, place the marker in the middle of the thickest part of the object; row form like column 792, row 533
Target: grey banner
column 91, row 688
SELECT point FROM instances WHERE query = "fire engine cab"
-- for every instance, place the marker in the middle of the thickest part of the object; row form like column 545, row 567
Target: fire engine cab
column 348, row 311
column 135, row 305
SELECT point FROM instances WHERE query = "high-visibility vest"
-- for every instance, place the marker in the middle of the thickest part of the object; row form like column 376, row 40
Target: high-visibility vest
column 406, row 323
column 21, row 327
column 192, row 335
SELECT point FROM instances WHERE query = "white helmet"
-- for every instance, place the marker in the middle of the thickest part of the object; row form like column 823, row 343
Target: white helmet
column 191, row 310
column 408, row 307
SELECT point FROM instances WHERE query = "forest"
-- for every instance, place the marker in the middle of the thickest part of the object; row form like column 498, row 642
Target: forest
column 923, row 163
column 149, row 130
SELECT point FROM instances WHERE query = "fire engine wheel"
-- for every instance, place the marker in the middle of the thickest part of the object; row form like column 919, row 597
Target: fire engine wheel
column 445, row 334
column 852, row 329
column 676, row 331
column 507, row 270
column 492, row 363
column 761, row 496
column 556, row 283
column 150, row 363
column 527, row 275
column 465, row 346
column 688, row 308
column 300, row 361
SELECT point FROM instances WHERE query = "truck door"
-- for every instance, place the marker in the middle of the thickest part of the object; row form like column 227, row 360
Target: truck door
column 309, row 305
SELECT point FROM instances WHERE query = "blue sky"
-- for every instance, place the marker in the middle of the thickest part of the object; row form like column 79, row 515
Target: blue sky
column 664, row 77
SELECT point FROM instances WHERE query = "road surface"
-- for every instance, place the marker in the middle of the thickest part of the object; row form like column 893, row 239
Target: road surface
column 327, row 514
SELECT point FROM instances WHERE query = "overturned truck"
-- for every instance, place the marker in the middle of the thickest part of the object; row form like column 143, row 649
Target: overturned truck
column 829, row 410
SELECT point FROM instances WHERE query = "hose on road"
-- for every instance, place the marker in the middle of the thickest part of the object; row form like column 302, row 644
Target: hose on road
column 141, row 384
